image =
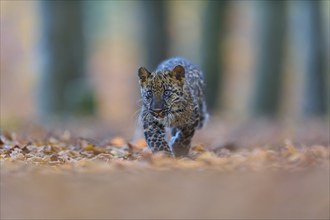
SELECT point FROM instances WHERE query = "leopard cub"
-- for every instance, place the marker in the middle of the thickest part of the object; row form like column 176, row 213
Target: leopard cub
column 172, row 97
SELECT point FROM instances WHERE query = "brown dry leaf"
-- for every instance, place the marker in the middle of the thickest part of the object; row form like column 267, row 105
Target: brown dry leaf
column 103, row 157
column 140, row 143
column 98, row 150
column 205, row 156
column 53, row 140
column 53, row 157
column 146, row 155
column 199, row 148
column 289, row 149
column 39, row 160
column 9, row 136
column 132, row 147
column 89, row 147
column 320, row 151
column 271, row 155
column 295, row 157
column 25, row 150
column 118, row 142
column 258, row 155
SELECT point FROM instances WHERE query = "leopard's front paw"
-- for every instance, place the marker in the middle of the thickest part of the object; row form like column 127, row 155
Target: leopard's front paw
column 180, row 150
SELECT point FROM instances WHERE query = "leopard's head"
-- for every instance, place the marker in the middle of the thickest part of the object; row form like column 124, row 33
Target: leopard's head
column 163, row 93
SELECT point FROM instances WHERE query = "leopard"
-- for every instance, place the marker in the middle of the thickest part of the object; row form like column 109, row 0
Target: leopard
column 173, row 98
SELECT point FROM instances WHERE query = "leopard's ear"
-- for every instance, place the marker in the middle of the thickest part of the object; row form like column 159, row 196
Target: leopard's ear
column 178, row 72
column 143, row 74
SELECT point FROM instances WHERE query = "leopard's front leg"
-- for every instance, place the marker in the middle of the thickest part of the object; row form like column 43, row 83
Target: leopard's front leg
column 181, row 140
column 155, row 135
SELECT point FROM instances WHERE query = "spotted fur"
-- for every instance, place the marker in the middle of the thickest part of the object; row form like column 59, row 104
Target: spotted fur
column 173, row 97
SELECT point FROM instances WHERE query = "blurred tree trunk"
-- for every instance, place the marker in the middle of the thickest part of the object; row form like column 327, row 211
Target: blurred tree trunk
column 308, row 47
column 63, row 88
column 315, row 65
column 270, row 58
column 212, row 49
column 155, row 32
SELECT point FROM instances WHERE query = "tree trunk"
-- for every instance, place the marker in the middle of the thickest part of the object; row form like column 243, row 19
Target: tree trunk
column 270, row 58
column 213, row 29
column 155, row 32
column 315, row 67
column 63, row 88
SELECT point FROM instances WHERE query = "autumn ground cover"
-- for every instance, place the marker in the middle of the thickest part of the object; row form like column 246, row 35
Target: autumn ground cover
column 258, row 170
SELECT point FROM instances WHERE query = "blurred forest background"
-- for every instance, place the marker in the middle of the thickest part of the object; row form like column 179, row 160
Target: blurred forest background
column 79, row 59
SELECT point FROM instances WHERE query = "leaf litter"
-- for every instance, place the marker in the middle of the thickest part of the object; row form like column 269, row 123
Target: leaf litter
column 66, row 152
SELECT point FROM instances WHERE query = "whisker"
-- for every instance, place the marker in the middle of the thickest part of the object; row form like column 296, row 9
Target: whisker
column 139, row 101
column 144, row 117
column 135, row 115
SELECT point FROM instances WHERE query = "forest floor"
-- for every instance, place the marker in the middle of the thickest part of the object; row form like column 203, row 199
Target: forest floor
column 258, row 170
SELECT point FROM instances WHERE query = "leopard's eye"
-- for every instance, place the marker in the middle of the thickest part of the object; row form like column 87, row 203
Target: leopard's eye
column 149, row 94
column 167, row 93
